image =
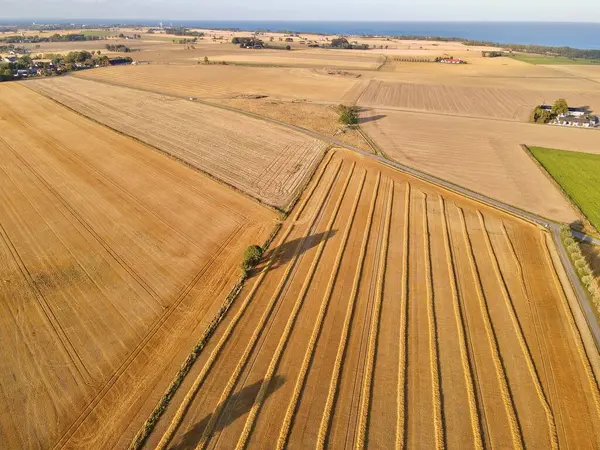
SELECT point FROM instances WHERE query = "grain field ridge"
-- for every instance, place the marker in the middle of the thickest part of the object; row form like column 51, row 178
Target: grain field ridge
column 520, row 336
column 403, row 338
column 578, row 340
column 332, row 393
column 363, row 414
column 287, row 331
column 438, row 420
column 515, row 428
column 462, row 336
column 291, row 410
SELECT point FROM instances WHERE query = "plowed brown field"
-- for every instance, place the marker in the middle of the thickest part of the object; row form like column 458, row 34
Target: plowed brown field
column 112, row 259
column 481, row 101
column 270, row 163
column 482, row 155
column 393, row 314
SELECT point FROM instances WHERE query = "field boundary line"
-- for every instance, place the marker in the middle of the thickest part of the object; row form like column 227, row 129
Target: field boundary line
column 308, row 357
column 575, row 330
column 515, row 427
column 208, row 430
column 403, row 337
column 520, row 335
column 287, row 331
column 373, row 335
column 332, row 393
column 462, row 335
column 434, row 361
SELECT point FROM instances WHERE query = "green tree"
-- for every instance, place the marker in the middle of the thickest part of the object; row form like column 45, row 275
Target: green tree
column 206, row 61
column 252, row 257
column 348, row 115
column 560, row 107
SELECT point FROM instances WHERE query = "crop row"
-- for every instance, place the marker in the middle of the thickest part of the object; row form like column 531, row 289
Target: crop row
column 337, row 368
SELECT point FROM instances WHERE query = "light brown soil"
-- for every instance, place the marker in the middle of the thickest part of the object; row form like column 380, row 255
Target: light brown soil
column 213, row 81
column 113, row 259
column 270, row 163
column 338, row 300
column 482, row 155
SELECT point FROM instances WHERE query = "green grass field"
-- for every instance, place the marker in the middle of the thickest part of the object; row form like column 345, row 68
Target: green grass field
column 558, row 60
column 579, row 176
column 99, row 33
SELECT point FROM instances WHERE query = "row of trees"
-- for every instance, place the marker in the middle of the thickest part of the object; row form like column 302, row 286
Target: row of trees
column 72, row 37
column 117, row 48
column 542, row 115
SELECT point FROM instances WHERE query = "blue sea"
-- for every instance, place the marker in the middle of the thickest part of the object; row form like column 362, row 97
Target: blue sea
column 555, row 34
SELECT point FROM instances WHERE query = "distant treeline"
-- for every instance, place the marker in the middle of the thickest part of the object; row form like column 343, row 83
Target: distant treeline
column 54, row 38
column 118, row 48
column 567, row 52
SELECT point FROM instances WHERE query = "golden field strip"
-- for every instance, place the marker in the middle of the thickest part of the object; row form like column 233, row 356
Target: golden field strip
column 393, row 314
column 480, row 154
column 268, row 162
column 216, row 81
column 109, row 266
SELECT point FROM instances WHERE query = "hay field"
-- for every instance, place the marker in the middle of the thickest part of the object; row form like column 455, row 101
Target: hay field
column 270, row 163
column 583, row 71
column 108, row 268
column 483, row 155
column 480, row 101
column 227, row 81
column 393, row 313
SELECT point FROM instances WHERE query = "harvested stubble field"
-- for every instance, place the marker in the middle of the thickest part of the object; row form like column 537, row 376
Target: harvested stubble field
column 214, row 81
column 395, row 315
column 270, row 163
column 483, row 155
column 477, row 101
column 108, row 268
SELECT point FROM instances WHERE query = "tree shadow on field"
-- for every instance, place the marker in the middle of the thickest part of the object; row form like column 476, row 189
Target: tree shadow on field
column 285, row 252
column 235, row 407
column 375, row 118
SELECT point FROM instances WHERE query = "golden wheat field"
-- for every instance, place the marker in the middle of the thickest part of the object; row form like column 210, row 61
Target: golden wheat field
column 214, row 81
column 393, row 314
column 108, row 266
column 268, row 162
column 482, row 155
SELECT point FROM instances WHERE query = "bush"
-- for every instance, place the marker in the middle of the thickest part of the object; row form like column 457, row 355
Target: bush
column 348, row 115
column 252, row 257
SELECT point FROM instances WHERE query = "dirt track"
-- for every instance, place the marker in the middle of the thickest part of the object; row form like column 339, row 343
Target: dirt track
column 108, row 267
column 368, row 328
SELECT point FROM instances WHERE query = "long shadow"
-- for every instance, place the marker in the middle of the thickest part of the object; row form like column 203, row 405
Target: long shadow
column 284, row 252
column 374, row 118
column 590, row 252
column 239, row 404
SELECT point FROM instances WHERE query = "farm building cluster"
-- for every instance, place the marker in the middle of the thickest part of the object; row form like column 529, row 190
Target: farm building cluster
column 576, row 117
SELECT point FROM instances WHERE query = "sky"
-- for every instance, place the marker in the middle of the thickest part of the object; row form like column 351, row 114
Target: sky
column 359, row 10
